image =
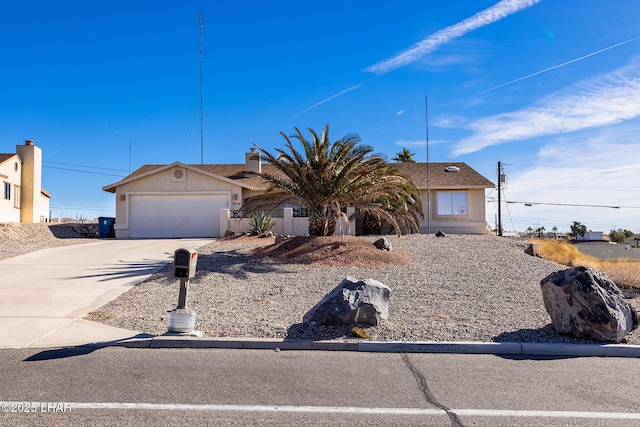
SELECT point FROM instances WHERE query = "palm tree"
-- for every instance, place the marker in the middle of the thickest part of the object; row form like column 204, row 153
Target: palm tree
column 326, row 177
column 404, row 156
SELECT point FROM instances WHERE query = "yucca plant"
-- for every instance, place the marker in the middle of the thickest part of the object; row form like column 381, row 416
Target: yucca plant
column 261, row 222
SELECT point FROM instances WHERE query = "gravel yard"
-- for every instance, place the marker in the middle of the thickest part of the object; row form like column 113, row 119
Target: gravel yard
column 457, row 288
column 22, row 238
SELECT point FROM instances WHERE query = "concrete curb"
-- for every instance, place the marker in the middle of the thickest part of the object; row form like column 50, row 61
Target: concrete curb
column 495, row 348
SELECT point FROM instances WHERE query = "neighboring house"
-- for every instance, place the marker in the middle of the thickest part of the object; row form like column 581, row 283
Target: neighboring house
column 23, row 198
column 179, row 200
column 592, row 236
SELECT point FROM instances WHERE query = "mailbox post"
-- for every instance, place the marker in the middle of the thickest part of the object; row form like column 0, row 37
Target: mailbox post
column 181, row 320
column 184, row 268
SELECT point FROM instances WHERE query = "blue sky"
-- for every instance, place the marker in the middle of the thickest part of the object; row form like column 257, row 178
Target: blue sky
column 550, row 88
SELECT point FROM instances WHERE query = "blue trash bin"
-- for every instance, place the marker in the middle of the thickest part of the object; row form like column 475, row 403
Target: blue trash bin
column 107, row 227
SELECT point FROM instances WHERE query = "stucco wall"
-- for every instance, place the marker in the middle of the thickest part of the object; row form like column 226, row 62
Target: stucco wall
column 9, row 173
column 166, row 183
column 472, row 223
column 31, row 182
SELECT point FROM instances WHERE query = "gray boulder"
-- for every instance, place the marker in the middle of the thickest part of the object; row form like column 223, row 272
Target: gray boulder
column 364, row 301
column 586, row 304
column 383, row 243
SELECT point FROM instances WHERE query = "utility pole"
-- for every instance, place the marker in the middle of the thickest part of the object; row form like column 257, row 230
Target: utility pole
column 201, row 116
column 500, row 180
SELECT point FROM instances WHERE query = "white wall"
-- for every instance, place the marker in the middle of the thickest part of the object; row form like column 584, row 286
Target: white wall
column 288, row 225
column 10, row 172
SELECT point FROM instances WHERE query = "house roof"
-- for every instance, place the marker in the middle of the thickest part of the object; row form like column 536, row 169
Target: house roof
column 235, row 173
column 439, row 177
column 6, row 156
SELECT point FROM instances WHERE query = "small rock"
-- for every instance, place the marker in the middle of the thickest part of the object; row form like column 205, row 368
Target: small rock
column 383, row 243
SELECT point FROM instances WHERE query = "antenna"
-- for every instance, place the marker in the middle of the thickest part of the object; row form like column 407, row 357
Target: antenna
column 129, row 157
column 201, row 116
column 426, row 113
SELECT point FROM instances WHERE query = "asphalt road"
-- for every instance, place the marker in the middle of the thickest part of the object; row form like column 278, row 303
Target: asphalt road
column 120, row 386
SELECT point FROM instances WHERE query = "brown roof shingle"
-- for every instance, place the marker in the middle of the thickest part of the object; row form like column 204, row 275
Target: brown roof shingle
column 466, row 177
column 439, row 177
column 5, row 156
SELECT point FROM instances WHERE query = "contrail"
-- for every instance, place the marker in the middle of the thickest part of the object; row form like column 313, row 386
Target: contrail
column 559, row 65
column 342, row 92
column 431, row 43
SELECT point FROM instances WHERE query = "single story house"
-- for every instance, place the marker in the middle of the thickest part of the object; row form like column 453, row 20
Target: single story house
column 23, row 198
column 180, row 200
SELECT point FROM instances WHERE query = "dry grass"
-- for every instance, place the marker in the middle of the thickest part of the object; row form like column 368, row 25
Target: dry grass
column 624, row 273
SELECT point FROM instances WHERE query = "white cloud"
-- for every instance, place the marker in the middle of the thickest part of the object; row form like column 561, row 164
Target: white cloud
column 434, row 41
column 602, row 101
column 449, row 121
column 406, row 143
column 560, row 65
column 399, row 113
column 317, row 104
column 590, row 168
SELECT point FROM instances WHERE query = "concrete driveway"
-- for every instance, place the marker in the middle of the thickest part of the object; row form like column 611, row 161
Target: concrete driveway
column 44, row 294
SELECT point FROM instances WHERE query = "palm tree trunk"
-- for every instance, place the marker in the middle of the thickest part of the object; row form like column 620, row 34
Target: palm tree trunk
column 317, row 223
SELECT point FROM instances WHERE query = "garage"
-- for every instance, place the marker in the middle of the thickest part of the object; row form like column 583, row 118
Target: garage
column 175, row 215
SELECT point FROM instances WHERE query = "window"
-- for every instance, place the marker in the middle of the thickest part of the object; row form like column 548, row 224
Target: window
column 7, row 191
column 16, row 197
column 452, row 203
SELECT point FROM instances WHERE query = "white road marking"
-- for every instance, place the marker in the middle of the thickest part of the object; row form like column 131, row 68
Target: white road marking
column 340, row 410
column 547, row 414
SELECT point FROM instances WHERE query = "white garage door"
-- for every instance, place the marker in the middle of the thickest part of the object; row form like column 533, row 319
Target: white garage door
column 169, row 216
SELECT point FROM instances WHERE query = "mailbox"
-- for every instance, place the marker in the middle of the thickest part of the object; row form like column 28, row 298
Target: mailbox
column 184, row 263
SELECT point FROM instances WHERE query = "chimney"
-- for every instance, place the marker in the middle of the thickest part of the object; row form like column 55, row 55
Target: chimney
column 252, row 161
column 31, row 181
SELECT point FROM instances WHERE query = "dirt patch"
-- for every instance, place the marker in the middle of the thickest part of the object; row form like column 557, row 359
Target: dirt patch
column 331, row 251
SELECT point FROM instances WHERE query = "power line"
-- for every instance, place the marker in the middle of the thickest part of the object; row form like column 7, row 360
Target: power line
column 573, row 204
column 569, row 167
column 84, row 166
column 81, row 208
column 81, row 171
column 575, row 188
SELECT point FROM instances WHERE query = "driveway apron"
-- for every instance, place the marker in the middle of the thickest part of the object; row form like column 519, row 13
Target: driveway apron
column 44, row 294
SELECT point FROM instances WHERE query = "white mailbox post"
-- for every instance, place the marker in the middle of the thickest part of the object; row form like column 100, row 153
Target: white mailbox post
column 182, row 320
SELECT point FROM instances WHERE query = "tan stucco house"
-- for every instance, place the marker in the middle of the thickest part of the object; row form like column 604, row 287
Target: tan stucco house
column 179, row 200
column 23, row 198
